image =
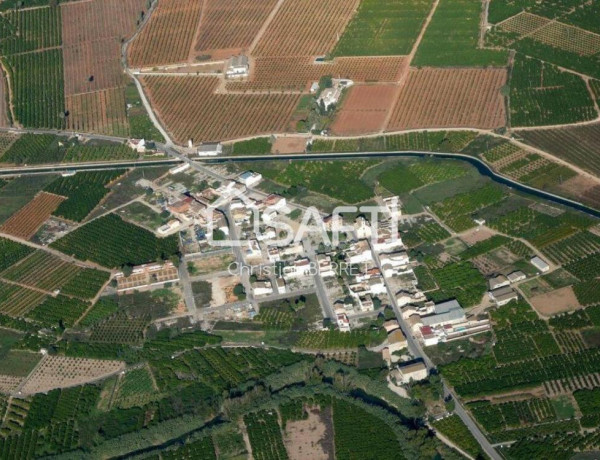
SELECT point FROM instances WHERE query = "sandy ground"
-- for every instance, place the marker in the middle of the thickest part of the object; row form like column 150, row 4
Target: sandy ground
column 289, row 144
column 222, row 290
column 307, row 438
column 476, row 235
column 214, row 263
column 557, row 301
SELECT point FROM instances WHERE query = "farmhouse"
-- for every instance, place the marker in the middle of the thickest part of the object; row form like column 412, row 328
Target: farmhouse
column 503, row 295
column 498, row 282
column 391, row 325
column 342, row 321
column 210, row 149
column 411, row 372
column 169, row 227
column 540, row 264
column 238, row 67
column 517, row 276
column 331, row 96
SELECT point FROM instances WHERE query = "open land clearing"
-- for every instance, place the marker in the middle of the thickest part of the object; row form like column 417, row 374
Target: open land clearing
column 25, row 222
column 308, row 438
column 555, row 302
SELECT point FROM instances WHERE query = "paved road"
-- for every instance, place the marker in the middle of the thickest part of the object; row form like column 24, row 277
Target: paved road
column 188, row 293
column 319, row 284
column 417, row 351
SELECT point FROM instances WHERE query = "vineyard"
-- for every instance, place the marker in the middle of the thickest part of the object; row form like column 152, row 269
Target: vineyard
column 191, row 110
column 169, row 36
column 230, row 26
column 84, row 191
column 296, row 73
column 383, row 28
column 541, row 94
column 265, row 437
column 25, row 223
column 301, row 29
column 450, row 98
column 111, row 242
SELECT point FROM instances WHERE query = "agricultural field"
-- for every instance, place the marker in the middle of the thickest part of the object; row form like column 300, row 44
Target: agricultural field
column 455, row 430
column 317, row 177
column 228, row 28
column 15, row 300
column 542, row 94
column 296, row 73
column 300, row 29
column 402, row 178
column 135, row 388
column 365, row 109
column 84, row 191
column 12, row 252
column 108, row 235
column 577, row 144
column 383, row 28
column 326, row 340
column 25, row 222
column 168, row 36
column 191, row 110
column 461, row 281
column 265, row 436
column 58, row 311
column 462, row 18
column 33, row 149
column 439, row 98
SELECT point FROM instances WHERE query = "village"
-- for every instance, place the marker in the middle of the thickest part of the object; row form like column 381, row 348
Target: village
column 252, row 248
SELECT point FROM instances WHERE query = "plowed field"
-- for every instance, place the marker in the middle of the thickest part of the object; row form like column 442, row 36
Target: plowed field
column 25, row 222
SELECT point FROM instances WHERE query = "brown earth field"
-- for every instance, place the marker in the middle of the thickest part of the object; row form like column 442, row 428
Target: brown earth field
column 190, row 109
column 169, row 34
column 444, row 98
column 25, row 222
column 310, row 438
column 364, row 110
column 98, row 112
column 228, row 28
column 305, row 28
column 292, row 144
column 554, row 302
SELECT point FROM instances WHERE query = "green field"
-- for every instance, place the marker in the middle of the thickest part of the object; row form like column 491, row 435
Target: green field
column 383, row 28
column 541, row 94
column 111, row 242
column 452, row 36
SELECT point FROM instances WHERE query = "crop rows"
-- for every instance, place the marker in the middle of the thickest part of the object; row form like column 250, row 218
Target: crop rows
column 103, row 111
column 568, row 38
column 38, row 92
column 15, row 300
column 265, row 436
column 33, row 149
column 42, row 270
column 453, row 428
column 29, row 30
column 25, row 223
column 462, row 281
column 326, row 340
column 524, row 23
column 84, row 191
column 168, row 37
column 112, row 242
column 572, row 248
column 12, row 252
column 586, row 268
column 190, row 109
column 295, row 74
column 58, row 310
column 120, row 329
column 301, row 29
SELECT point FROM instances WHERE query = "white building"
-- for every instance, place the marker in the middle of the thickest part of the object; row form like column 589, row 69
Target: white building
column 300, row 268
column 516, row 276
column 273, row 253
column 262, row 288
column 179, row 168
column 325, row 266
column 498, row 282
column 359, row 252
column 503, row 295
column 238, row 67
column 445, row 313
column 250, row 178
column 211, row 149
column 170, row 226
column 362, row 228
column 540, row 264
column 411, row 372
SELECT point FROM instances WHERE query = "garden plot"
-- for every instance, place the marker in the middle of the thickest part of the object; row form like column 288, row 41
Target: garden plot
column 554, row 302
column 309, row 438
column 62, row 372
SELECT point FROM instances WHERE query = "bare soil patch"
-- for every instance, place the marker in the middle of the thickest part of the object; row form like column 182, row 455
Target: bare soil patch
column 476, row 235
column 285, row 144
column 98, row 112
column 444, row 98
column 222, row 290
column 311, row 438
column 554, row 302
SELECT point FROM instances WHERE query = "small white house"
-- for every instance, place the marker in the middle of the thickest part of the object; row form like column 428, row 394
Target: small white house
column 250, row 178
column 210, row 149
column 411, row 372
column 238, row 67
column 262, row 288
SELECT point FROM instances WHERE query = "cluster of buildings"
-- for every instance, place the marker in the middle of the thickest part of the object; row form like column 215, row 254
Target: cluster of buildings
column 147, row 276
